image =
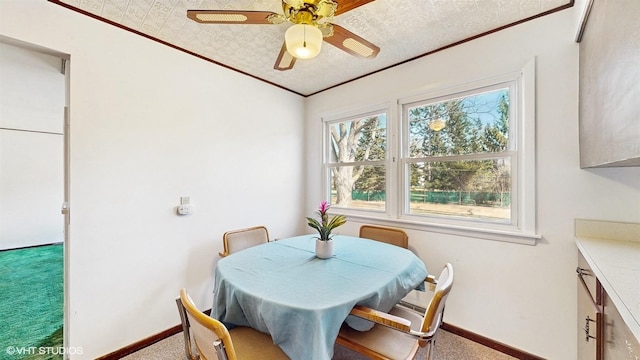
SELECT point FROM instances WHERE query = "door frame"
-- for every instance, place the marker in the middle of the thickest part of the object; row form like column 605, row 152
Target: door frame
column 65, row 69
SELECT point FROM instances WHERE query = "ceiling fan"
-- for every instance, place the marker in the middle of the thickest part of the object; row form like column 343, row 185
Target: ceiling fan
column 303, row 40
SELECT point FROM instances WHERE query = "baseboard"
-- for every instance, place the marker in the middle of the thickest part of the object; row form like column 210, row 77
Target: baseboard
column 503, row 348
column 506, row 349
column 130, row 349
column 139, row 345
column 32, row 246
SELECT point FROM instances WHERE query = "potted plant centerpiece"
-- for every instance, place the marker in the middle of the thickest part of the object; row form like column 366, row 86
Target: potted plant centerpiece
column 324, row 244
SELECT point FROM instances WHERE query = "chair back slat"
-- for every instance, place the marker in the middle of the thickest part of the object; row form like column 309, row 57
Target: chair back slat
column 207, row 332
column 237, row 240
column 388, row 235
column 435, row 309
column 204, row 339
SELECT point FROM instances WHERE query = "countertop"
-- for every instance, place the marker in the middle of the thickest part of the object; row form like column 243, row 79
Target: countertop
column 612, row 250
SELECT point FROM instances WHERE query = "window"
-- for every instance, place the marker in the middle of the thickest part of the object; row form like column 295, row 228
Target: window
column 357, row 161
column 463, row 161
column 458, row 155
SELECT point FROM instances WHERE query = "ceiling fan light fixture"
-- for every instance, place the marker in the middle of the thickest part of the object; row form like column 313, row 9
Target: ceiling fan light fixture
column 303, row 41
column 437, row 124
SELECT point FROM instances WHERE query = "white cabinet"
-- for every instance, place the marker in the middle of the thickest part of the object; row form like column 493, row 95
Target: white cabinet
column 609, row 88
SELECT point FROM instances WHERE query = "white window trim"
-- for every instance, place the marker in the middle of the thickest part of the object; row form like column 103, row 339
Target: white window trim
column 327, row 120
column 524, row 206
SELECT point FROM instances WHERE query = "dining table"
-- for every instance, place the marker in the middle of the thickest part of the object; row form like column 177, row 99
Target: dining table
column 283, row 289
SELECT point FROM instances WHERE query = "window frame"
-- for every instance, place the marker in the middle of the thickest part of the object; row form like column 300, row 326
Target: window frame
column 511, row 153
column 330, row 120
column 521, row 229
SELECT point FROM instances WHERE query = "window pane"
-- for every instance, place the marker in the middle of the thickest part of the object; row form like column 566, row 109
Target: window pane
column 364, row 139
column 467, row 125
column 477, row 189
column 359, row 187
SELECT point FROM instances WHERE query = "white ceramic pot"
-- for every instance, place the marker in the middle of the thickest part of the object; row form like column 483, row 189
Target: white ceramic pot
column 324, row 249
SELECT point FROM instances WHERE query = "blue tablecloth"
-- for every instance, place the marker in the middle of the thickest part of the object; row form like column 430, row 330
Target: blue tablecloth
column 281, row 288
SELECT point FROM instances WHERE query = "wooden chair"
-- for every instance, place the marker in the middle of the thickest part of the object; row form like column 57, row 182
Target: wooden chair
column 400, row 333
column 385, row 234
column 241, row 239
column 214, row 342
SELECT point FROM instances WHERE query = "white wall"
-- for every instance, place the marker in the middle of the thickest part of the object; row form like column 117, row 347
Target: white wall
column 31, row 148
column 523, row 296
column 150, row 124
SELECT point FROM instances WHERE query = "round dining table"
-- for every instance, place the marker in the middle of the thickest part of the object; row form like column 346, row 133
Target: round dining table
column 283, row 289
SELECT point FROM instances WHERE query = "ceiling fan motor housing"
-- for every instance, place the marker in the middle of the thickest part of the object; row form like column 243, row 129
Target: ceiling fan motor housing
column 308, row 12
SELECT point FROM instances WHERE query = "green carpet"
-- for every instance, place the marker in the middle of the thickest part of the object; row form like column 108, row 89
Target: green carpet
column 31, row 300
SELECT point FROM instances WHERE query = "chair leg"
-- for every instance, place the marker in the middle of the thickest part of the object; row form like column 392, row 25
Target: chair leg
column 185, row 331
column 431, row 347
column 428, row 351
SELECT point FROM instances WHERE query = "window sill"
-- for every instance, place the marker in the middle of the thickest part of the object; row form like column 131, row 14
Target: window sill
column 478, row 233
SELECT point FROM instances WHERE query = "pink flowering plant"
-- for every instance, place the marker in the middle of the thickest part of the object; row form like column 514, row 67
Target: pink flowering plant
column 324, row 226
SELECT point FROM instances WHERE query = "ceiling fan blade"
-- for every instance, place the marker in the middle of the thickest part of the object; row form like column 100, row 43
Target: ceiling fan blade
column 231, row 16
column 285, row 60
column 346, row 5
column 347, row 41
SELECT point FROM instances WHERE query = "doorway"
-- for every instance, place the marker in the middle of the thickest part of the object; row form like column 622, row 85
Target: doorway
column 33, row 185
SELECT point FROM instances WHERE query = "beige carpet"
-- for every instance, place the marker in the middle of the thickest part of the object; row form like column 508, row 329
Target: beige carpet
column 448, row 347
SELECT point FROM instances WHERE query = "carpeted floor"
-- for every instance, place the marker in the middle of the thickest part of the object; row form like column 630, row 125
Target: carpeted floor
column 448, row 347
column 31, row 298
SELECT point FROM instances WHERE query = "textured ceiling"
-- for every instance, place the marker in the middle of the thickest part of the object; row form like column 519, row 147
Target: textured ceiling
column 403, row 29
